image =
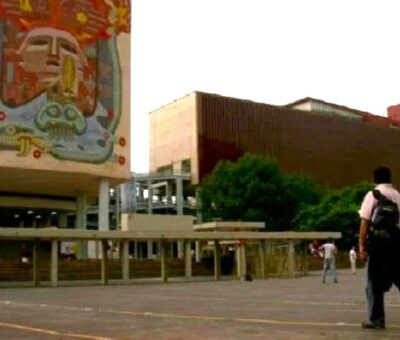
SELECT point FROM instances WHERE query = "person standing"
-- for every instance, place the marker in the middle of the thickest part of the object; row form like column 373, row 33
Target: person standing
column 329, row 253
column 353, row 259
column 378, row 246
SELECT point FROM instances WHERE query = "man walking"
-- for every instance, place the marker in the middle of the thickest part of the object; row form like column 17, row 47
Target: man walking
column 329, row 251
column 379, row 244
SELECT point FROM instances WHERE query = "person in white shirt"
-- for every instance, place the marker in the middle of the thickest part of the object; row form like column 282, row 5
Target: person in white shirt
column 382, row 262
column 353, row 259
column 329, row 251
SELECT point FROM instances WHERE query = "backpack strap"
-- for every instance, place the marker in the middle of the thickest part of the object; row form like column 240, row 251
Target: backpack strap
column 377, row 194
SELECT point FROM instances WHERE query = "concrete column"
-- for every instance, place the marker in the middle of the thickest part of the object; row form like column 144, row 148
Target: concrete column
column 217, row 260
column 35, row 262
column 188, row 260
column 198, row 251
column 81, row 223
column 163, row 253
column 125, row 259
column 104, row 208
column 261, row 255
column 54, row 263
column 179, row 196
column 149, row 198
column 149, row 249
column 180, row 249
column 241, row 259
column 104, row 262
column 291, row 261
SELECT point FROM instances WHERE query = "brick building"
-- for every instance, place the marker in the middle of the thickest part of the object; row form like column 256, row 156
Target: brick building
column 334, row 144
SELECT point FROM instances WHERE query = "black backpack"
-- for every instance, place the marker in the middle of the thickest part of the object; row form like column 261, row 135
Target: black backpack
column 385, row 218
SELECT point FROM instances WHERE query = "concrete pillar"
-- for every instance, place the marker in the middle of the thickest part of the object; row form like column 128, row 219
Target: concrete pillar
column 241, row 259
column 54, row 263
column 104, row 262
column 35, row 262
column 163, row 253
column 180, row 249
column 149, row 249
column 291, row 260
column 188, row 260
column 198, row 251
column 179, row 196
column 104, row 207
column 261, row 255
column 149, row 198
column 217, row 260
column 125, row 259
column 81, row 223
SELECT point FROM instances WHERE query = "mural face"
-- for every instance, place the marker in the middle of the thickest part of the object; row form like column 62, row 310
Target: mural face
column 60, row 78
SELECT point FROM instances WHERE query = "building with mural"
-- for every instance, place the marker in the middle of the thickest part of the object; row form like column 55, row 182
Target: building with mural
column 64, row 106
column 333, row 144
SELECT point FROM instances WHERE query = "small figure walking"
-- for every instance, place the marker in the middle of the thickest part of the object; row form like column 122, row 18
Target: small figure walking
column 329, row 253
column 353, row 259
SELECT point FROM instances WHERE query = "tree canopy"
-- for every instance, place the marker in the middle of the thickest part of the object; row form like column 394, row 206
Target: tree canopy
column 255, row 189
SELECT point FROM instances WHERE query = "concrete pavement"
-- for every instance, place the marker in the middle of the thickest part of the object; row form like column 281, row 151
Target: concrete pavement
column 301, row 308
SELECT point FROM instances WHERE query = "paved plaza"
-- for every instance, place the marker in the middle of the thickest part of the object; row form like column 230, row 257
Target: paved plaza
column 301, row 308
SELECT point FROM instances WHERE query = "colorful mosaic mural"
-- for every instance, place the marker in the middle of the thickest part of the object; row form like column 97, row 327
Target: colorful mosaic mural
column 60, row 86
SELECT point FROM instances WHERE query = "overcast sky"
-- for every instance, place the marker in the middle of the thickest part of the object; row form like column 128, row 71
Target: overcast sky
column 271, row 51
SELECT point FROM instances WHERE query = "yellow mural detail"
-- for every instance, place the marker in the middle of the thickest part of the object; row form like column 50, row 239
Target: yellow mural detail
column 24, row 141
column 82, row 17
column 25, row 5
column 69, row 75
column 122, row 16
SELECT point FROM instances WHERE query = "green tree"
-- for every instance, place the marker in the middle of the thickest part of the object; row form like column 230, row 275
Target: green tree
column 337, row 211
column 255, row 189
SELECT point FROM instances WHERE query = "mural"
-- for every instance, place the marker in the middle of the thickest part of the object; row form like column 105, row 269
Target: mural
column 60, row 83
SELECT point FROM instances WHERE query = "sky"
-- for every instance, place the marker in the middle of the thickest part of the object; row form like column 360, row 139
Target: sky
column 345, row 52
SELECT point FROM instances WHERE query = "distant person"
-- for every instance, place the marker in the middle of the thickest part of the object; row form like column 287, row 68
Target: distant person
column 353, row 259
column 379, row 244
column 329, row 251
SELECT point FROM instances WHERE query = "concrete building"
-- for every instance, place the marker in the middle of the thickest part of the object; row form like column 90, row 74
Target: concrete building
column 334, row 144
column 64, row 110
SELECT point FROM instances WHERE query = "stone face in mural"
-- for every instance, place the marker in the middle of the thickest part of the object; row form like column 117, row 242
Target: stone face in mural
column 60, row 78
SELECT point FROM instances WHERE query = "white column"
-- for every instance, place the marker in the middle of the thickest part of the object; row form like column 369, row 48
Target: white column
column 198, row 251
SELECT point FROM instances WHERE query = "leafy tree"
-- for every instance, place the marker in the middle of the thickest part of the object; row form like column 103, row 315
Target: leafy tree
column 255, row 189
column 337, row 211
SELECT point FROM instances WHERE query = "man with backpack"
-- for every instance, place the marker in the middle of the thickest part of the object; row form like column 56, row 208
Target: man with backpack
column 379, row 244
